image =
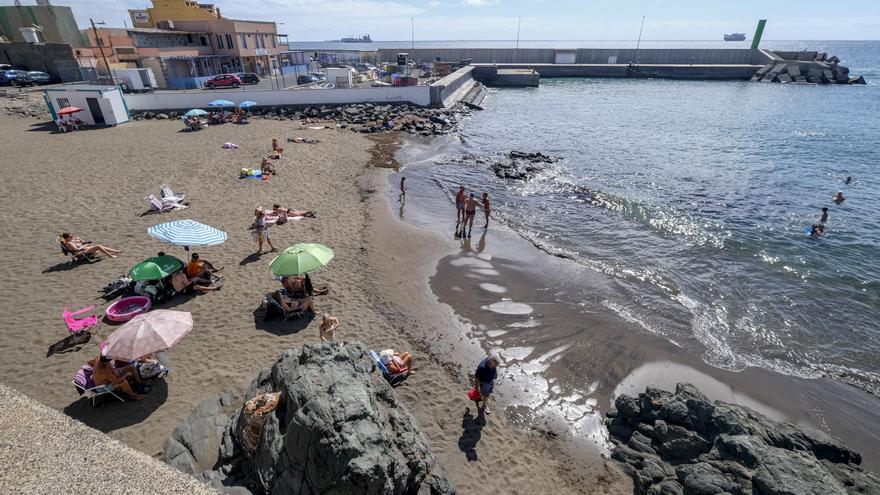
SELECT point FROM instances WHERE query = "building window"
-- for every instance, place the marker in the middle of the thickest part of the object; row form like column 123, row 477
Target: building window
column 62, row 102
column 243, row 41
column 229, row 41
column 273, row 41
column 189, row 38
column 219, row 41
column 203, row 41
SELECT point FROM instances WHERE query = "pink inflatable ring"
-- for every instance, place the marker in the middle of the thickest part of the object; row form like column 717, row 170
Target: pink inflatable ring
column 128, row 307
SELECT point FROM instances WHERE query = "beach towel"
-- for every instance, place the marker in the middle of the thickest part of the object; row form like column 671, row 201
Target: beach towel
column 251, row 173
column 256, row 411
column 230, row 146
column 83, row 378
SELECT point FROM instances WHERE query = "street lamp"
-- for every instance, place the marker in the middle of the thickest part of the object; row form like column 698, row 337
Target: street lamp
column 103, row 55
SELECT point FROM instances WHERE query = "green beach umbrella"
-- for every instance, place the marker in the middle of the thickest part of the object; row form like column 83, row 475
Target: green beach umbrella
column 155, row 268
column 301, row 259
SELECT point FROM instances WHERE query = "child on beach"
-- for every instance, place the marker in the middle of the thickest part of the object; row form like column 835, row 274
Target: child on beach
column 327, row 330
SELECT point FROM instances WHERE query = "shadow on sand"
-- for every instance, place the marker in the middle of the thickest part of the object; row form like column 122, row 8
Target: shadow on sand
column 71, row 343
column 111, row 414
column 67, row 265
column 472, row 431
column 277, row 326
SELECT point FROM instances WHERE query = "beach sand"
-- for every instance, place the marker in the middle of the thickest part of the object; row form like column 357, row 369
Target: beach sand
column 93, row 183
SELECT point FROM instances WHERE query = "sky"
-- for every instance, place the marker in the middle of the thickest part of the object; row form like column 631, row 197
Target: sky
column 319, row 20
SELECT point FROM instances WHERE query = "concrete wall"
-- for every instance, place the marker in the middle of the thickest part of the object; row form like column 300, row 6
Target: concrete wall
column 172, row 100
column 725, row 56
column 447, row 91
column 109, row 100
column 56, row 59
column 693, row 72
column 477, row 55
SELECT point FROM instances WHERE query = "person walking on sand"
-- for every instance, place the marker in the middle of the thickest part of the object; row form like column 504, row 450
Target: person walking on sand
column 459, row 204
column 261, row 230
column 402, row 197
column 470, row 210
column 484, row 377
column 486, row 208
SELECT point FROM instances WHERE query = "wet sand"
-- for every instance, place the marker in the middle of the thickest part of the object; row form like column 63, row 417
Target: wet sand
column 93, row 183
column 567, row 355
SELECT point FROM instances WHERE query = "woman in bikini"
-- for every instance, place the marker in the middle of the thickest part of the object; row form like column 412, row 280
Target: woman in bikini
column 76, row 245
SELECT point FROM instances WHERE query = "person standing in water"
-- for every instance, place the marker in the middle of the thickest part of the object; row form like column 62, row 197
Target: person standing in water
column 824, row 217
column 486, row 208
column 459, row 204
column 848, row 180
column 402, row 196
column 470, row 211
column 838, row 198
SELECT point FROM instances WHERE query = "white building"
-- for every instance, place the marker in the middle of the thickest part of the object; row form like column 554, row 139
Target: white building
column 102, row 105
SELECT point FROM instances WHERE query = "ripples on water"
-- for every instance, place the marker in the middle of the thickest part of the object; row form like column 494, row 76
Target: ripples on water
column 694, row 197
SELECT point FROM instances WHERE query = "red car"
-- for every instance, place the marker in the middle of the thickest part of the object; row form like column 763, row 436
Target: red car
column 223, row 80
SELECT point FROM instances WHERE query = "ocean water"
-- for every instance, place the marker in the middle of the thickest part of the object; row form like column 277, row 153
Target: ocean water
column 692, row 199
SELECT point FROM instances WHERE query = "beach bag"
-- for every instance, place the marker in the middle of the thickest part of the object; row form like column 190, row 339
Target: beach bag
column 256, row 411
column 474, row 394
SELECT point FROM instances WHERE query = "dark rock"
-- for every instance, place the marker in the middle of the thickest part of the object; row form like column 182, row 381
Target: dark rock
column 149, row 115
column 784, row 78
column 857, row 80
column 718, row 448
column 194, row 445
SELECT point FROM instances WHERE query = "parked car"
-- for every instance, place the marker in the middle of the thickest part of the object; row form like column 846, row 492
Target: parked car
column 307, row 79
column 11, row 75
column 319, row 75
column 32, row 78
column 248, row 78
column 223, row 81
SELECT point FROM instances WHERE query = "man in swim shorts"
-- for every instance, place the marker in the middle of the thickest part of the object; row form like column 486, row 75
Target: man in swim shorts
column 459, row 204
column 487, row 209
column 470, row 211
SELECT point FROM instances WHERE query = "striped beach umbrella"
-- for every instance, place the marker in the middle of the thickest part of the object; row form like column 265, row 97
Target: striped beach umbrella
column 187, row 233
column 221, row 103
column 247, row 104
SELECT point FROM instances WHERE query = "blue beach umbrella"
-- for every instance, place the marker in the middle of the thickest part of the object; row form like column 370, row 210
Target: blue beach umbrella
column 195, row 112
column 187, row 233
column 247, row 104
column 221, row 103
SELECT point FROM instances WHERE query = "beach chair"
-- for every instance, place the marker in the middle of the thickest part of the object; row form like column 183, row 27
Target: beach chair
column 274, row 308
column 85, row 385
column 392, row 378
column 163, row 206
column 75, row 256
column 168, row 195
column 78, row 326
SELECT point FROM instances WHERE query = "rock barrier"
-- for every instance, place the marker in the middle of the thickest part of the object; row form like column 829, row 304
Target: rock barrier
column 685, row 444
column 338, row 428
column 821, row 70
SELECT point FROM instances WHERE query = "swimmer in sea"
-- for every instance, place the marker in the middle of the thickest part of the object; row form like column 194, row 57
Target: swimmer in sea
column 848, row 180
column 824, row 217
column 818, row 229
column 838, row 198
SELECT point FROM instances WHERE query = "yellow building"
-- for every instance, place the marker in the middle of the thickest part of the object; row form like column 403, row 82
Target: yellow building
column 173, row 10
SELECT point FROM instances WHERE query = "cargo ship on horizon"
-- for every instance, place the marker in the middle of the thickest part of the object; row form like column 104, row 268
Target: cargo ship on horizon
column 363, row 39
column 735, row 37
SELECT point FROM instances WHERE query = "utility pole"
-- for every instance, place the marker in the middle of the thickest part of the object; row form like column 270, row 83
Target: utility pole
column 518, row 24
column 98, row 42
column 638, row 43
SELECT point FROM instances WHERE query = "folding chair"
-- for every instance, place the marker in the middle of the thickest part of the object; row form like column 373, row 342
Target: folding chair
column 392, row 378
column 84, row 384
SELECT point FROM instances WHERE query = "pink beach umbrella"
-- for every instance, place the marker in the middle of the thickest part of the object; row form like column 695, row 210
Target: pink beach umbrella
column 148, row 333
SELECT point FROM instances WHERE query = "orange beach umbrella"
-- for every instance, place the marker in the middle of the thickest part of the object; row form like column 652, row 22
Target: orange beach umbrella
column 69, row 110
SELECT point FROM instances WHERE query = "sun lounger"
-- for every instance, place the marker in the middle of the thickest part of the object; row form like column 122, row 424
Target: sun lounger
column 163, row 206
column 78, row 326
column 392, row 378
column 274, row 308
column 75, row 256
column 168, row 195
column 84, row 384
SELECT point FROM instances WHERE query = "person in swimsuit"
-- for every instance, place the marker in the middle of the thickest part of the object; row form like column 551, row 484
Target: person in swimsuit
column 290, row 304
column 848, row 180
column 470, row 210
column 486, row 208
column 459, row 204
column 327, row 330
column 838, row 198
column 185, row 285
column 104, row 373
column 76, row 245
column 824, row 217
column 261, row 228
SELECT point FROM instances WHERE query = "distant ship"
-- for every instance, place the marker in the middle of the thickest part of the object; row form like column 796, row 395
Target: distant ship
column 735, row 37
column 363, row 39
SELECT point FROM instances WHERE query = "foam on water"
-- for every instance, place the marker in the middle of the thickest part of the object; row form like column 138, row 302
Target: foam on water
column 508, row 307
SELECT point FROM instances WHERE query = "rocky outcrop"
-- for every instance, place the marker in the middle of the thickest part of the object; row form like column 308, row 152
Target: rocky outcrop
column 338, row 428
column 683, row 443
column 806, row 67
column 518, row 165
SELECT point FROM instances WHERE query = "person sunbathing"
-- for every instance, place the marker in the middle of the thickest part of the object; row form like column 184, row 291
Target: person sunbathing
column 290, row 304
column 295, row 286
column 104, row 373
column 285, row 213
column 303, row 140
column 396, row 362
column 149, row 367
column 267, row 168
column 76, row 245
column 199, row 268
column 278, row 150
column 184, row 285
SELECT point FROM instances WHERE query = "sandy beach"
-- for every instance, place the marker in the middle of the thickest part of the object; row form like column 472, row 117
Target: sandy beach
column 93, row 183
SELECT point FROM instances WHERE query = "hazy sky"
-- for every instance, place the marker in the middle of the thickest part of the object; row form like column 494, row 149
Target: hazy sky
column 317, row 20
